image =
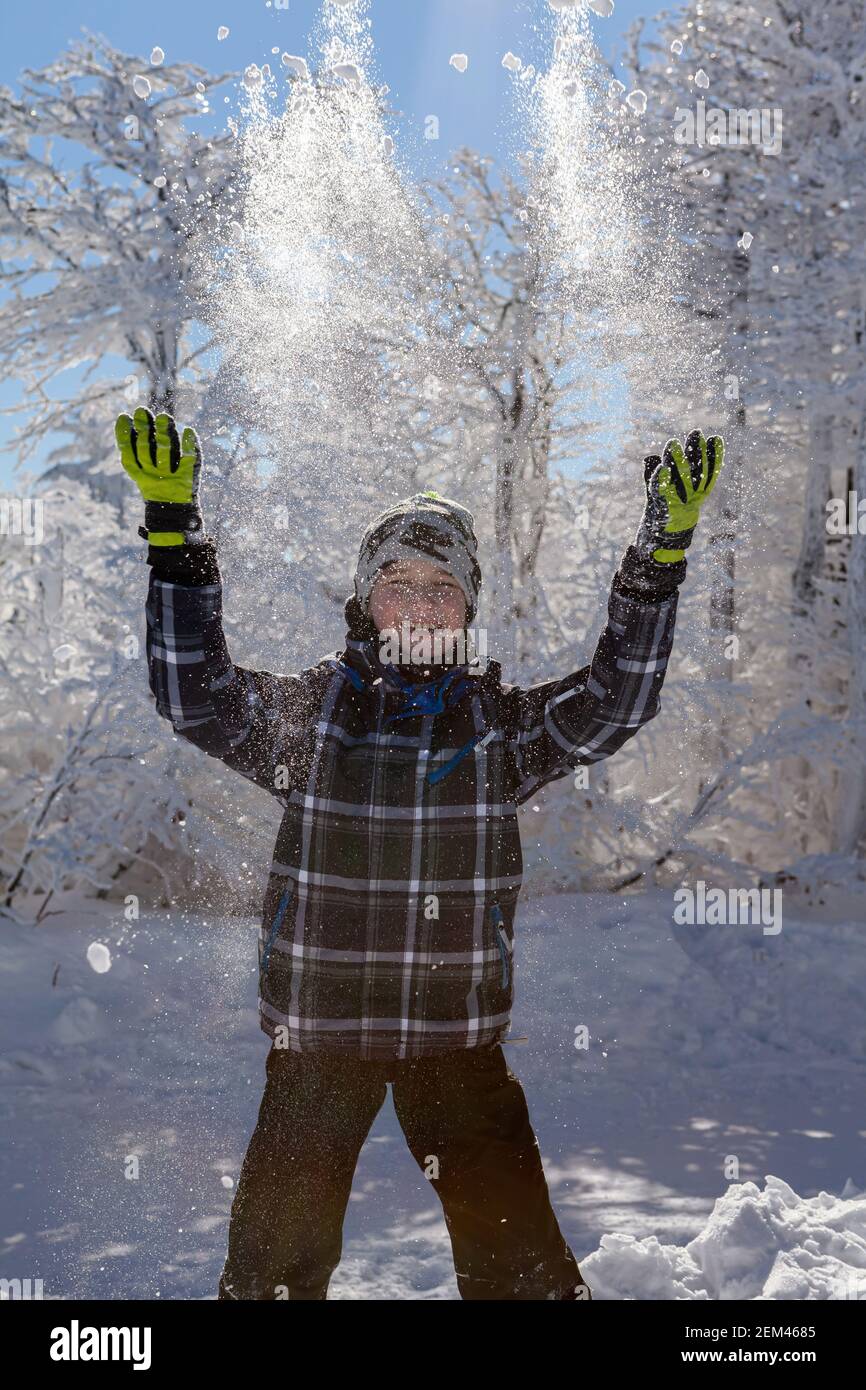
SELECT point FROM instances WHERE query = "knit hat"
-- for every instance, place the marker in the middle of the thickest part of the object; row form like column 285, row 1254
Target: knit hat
column 426, row 525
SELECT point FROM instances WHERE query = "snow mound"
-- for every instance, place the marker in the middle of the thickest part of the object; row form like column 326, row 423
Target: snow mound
column 768, row 1244
column 81, row 1021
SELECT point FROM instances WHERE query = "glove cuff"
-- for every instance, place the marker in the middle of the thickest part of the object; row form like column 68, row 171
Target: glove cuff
column 185, row 564
column 646, row 578
column 183, row 517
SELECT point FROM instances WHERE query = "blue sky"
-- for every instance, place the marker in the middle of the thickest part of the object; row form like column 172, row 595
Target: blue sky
column 414, row 40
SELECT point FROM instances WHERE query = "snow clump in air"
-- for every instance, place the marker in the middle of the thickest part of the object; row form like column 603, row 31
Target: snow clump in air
column 141, row 87
column 459, row 61
column 511, row 62
column 348, row 71
column 157, row 56
column 296, row 65
column 222, row 33
column 99, row 957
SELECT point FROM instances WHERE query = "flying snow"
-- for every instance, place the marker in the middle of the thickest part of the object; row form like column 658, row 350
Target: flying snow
column 701, row 79
column 348, row 71
column 511, row 61
column 677, row 46
column 141, row 87
column 459, row 61
column 157, row 56
column 222, row 33
column 296, row 65
column 637, row 100
column 99, row 957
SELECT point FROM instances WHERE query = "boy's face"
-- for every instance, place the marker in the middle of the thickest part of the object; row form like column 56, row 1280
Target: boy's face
column 417, row 592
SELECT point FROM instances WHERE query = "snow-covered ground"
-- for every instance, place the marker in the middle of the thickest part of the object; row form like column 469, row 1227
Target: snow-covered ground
column 710, row 1144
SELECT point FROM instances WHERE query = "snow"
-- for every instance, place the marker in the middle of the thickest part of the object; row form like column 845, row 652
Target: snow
column 222, row 33
column 296, row 65
column 701, row 79
column 98, row 957
column 348, row 71
column 677, row 46
column 697, row 1053
column 157, row 56
column 746, row 240
column 253, row 77
column 141, row 86
column 511, row 62
column 459, row 61
column 759, row 1243
column 599, row 7
column 637, row 100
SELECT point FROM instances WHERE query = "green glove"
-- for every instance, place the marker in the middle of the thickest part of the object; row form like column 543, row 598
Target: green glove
column 166, row 470
column 677, row 486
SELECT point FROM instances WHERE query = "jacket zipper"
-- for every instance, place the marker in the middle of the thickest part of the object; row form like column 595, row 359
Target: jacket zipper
column 281, row 912
column 502, row 941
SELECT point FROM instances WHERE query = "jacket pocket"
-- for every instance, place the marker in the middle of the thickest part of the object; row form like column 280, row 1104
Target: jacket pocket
column 502, row 941
column 277, row 923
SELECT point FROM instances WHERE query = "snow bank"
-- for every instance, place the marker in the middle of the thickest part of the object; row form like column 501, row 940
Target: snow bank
column 768, row 1244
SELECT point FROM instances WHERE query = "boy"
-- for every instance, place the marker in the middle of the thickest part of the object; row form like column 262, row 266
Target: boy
column 387, row 941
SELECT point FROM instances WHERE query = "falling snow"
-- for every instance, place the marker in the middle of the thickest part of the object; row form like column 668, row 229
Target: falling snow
column 296, row 65
column 98, row 957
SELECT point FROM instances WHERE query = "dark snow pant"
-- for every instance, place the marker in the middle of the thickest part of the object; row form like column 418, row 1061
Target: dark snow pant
column 465, row 1119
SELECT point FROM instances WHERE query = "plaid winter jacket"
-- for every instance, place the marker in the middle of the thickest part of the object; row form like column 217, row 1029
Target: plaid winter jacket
column 388, row 929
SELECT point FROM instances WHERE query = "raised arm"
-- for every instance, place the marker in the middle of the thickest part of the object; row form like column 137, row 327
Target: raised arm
column 591, row 713
column 255, row 722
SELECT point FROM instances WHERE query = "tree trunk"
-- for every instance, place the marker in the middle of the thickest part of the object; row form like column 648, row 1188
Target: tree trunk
column 818, row 490
column 851, row 827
